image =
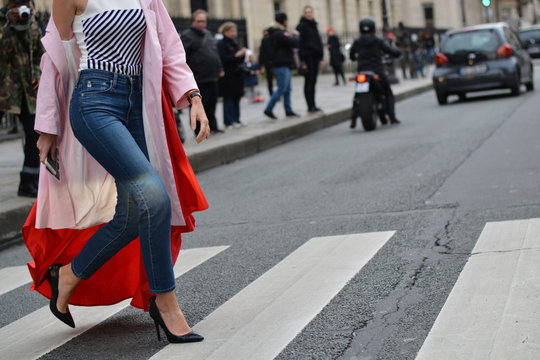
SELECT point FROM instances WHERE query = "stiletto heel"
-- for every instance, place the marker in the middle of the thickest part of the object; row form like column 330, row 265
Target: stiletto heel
column 158, row 320
column 157, row 330
column 53, row 274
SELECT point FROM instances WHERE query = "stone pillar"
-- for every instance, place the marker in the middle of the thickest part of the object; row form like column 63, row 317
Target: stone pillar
column 185, row 8
column 236, row 9
column 259, row 15
column 215, row 9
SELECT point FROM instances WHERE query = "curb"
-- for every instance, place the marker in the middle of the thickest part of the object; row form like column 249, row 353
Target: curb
column 11, row 221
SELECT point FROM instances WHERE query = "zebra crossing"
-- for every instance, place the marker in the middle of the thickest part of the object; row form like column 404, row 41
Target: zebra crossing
column 491, row 313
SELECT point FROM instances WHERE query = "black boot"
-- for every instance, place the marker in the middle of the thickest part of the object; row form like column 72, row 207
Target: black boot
column 29, row 185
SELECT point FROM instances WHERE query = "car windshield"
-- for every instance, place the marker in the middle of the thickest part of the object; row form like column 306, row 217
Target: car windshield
column 529, row 34
column 472, row 41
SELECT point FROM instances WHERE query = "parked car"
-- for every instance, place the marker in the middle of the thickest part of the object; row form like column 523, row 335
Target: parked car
column 530, row 38
column 481, row 57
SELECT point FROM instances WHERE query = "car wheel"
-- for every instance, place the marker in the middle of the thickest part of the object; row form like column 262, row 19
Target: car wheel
column 442, row 98
column 530, row 85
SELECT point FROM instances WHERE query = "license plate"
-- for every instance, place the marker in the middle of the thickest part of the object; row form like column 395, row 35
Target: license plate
column 475, row 69
column 362, row 87
column 534, row 49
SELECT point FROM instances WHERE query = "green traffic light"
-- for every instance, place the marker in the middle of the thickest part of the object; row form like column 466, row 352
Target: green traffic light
column 486, row 3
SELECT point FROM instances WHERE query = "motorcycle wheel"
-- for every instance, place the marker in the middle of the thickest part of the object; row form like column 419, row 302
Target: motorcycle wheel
column 368, row 111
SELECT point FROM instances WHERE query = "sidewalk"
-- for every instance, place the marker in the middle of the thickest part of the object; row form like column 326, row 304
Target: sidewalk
column 260, row 134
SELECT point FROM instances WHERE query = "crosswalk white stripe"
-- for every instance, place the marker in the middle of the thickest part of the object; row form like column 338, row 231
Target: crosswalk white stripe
column 492, row 311
column 263, row 318
column 39, row 332
column 13, row 277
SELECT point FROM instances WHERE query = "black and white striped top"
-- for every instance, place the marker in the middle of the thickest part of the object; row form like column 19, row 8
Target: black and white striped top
column 110, row 35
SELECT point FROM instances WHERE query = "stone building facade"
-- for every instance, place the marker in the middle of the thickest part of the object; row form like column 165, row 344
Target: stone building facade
column 343, row 15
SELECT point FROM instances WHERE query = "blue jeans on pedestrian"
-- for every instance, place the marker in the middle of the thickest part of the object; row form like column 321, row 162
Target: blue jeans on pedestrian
column 231, row 110
column 106, row 117
column 283, row 79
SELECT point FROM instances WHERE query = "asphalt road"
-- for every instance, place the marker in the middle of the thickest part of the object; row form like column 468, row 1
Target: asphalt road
column 435, row 180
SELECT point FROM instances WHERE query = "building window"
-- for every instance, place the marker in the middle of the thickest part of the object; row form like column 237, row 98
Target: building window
column 429, row 13
column 199, row 4
column 370, row 5
column 279, row 6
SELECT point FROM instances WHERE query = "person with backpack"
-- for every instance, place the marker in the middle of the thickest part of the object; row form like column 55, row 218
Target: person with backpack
column 282, row 43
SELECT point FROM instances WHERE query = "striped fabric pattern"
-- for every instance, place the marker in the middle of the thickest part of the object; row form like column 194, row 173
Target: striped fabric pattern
column 114, row 41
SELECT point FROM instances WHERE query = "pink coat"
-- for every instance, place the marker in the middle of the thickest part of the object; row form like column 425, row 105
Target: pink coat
column 86, row 194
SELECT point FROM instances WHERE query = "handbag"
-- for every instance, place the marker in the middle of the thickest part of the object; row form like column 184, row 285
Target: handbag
column 303, row 69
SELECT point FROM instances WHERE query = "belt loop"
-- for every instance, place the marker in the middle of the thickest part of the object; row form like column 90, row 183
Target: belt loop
column 115, row 80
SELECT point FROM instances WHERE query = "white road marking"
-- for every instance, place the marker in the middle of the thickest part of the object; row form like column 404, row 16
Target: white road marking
column 39, row 332
column 13, row 277
column 493, row 310
column 264, row 317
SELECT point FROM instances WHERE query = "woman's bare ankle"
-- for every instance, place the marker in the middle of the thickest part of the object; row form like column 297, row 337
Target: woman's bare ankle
column 167, row 302
column 67, row 284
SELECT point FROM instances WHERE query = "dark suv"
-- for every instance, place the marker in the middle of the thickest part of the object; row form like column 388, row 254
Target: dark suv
column 481, row 57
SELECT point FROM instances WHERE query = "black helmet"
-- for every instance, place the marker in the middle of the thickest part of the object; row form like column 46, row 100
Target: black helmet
column 367, row 26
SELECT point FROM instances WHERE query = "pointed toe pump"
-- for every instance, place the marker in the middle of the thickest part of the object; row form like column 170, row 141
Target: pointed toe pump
column 158, row 321
column 53, row 274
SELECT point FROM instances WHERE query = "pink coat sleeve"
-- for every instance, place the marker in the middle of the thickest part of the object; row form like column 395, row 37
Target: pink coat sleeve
column 177, row 76
column 48, row 104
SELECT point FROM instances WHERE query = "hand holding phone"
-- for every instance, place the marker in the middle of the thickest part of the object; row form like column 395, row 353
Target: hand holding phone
column 53, row 166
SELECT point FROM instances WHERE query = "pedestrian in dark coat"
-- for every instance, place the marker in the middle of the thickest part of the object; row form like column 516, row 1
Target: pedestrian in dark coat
column 265, row 60
column 336, row 56
column 203, row 59
column 311, row 54
column 231, row 85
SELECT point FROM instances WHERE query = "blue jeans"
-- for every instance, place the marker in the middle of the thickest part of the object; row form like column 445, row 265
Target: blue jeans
column 106, row 117
column 283, row 79
column 231, row 110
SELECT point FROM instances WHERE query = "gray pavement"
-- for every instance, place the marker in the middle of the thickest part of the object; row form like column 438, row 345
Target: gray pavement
column 260, row 134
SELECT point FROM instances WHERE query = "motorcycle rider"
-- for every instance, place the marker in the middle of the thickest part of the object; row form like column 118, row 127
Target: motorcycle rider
column 369, row 50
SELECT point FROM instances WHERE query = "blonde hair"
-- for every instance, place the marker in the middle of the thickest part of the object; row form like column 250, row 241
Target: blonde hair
column 226, row 27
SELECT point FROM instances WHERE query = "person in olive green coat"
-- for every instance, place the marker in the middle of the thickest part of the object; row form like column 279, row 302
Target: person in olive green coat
column 20, row 54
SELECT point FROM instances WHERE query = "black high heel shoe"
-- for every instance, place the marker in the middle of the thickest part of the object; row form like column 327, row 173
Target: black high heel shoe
column 158, row 321
column 53, row 274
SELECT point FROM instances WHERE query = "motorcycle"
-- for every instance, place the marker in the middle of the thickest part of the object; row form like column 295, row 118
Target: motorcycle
column 368, row 102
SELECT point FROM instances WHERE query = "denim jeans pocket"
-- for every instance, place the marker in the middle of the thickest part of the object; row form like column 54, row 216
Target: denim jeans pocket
column 89, row 86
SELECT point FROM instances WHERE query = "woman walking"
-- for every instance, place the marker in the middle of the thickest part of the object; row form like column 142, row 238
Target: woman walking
column 336, row 56
column 231, row 85
column 104, row 115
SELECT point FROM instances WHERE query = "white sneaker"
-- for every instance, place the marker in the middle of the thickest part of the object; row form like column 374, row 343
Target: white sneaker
column 237, row 125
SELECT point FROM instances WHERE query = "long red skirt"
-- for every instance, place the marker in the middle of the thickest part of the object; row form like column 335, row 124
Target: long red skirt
column 123, row 276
